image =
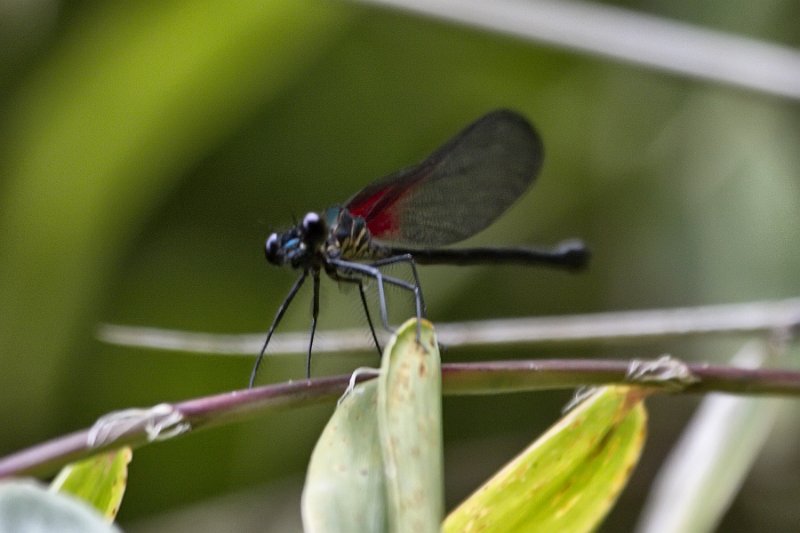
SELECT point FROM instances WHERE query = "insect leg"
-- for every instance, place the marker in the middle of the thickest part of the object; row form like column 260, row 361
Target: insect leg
column 380, row 278
column 276, row 321
column 314, row 315
column 369, row 318
column 360, row 282
column 406, row 258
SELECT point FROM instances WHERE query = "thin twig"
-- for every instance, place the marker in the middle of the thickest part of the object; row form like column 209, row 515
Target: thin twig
column 165, row 421
column 628, row 36
column 744, row 319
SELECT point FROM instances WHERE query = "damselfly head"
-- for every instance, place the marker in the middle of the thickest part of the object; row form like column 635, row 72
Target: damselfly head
column 298, row 245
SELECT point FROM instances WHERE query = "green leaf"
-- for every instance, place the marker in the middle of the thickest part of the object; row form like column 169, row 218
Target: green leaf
column 99, row 480
column 410, row 427
column 378, row 464
column 569, row 478
column 26, row 507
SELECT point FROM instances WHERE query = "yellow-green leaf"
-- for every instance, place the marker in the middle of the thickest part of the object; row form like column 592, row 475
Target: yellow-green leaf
column 570, row 477
column 99, row 480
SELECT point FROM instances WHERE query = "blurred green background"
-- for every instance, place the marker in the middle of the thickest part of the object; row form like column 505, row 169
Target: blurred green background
column 148, row 148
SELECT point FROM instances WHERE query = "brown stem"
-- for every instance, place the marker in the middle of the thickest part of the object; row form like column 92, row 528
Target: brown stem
column 139, row 426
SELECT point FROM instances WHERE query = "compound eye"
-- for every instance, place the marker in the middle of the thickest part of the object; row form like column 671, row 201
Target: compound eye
column 313, row 227
column 272, row 248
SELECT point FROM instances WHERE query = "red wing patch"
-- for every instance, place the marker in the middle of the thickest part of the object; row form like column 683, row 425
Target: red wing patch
column 380, row 204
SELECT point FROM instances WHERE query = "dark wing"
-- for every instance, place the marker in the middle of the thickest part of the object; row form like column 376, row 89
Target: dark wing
column 459, row 189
